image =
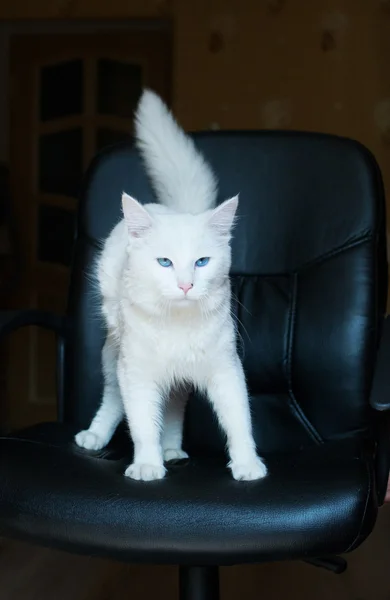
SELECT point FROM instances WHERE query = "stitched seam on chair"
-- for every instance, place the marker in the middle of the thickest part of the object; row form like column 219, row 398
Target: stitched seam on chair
column 351, row 546
column 313, row 262
column 311, row 430
column 339, row 250
column 4, row 438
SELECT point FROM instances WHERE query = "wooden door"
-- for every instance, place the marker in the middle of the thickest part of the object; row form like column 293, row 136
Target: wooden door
column 70, row 96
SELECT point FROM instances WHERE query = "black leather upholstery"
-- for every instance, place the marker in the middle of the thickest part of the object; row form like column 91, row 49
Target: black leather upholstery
column 380, row 393
column 313, row 503
column 307, row 251
column 310, row 281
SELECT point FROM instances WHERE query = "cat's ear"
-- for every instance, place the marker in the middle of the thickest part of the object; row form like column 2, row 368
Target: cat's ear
column 222, row 217
column 137, row 219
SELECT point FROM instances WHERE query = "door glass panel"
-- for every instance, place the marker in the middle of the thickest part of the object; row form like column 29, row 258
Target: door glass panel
column 61, row 90
column 61, row 162
column 119, row 87
column 56, row 228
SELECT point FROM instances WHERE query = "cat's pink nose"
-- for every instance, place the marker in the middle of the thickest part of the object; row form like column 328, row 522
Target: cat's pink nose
column 186, row 287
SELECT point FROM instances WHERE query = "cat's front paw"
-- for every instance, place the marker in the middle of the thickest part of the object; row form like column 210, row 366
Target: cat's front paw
column 248, row 471
column 172, row 454
column 90, row 441
column 144, row 472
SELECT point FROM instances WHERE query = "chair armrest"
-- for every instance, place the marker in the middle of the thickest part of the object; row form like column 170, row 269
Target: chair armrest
column 10, row 320
column 380, row 392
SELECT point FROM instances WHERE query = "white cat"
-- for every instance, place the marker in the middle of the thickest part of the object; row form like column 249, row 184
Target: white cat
column 164, row 279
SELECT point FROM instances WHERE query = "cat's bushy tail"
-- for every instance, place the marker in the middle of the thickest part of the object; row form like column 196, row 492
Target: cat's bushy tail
column 179, row 174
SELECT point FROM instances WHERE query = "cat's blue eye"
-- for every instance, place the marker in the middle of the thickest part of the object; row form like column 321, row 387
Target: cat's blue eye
column 202, row 262
column 164, row 262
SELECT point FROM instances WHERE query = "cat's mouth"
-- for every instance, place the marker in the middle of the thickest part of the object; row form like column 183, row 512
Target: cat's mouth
column 184, row 300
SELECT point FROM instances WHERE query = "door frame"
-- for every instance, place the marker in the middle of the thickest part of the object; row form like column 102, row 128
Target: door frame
column 22, row 156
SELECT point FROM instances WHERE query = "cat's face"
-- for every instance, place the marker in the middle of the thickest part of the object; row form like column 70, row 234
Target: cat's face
column 178, row 259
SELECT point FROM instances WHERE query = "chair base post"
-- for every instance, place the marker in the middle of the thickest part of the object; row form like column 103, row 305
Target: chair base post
column 198, row 583
column 336, row 564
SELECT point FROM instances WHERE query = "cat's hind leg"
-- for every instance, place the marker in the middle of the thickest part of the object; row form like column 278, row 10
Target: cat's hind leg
column 111, row 410
column 172, row 437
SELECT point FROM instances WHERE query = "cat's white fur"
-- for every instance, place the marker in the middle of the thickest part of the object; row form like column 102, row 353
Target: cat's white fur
column 178, row 172
column 161, row 340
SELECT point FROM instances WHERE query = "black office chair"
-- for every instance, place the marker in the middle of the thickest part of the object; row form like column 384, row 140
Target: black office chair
column 310, row 281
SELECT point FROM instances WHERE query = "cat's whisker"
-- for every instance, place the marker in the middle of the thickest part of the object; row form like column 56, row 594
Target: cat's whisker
column 238, row 320
column 235, row 297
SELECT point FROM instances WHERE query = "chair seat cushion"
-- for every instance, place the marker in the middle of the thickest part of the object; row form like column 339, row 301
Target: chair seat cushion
column 318, row 500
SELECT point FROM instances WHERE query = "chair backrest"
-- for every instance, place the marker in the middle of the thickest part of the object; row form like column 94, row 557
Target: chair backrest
column 309, row 277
